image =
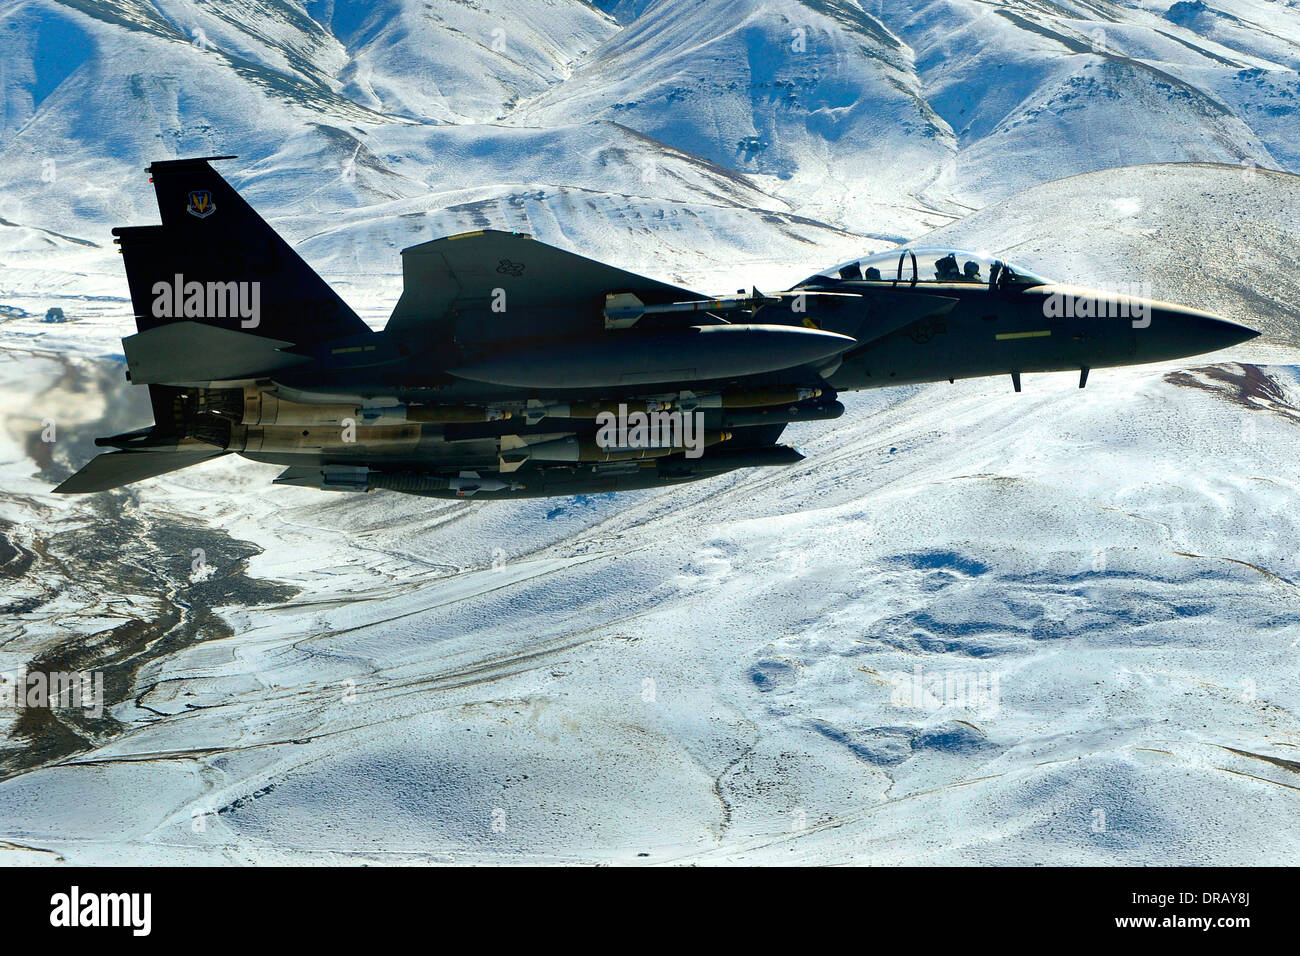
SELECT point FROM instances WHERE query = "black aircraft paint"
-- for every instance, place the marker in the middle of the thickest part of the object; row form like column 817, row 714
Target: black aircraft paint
column 505, row 359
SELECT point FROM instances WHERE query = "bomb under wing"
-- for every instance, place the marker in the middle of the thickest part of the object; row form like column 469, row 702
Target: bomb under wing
column 508, row 364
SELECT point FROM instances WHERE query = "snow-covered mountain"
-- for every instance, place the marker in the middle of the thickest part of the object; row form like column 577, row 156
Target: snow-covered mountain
column 366, row 126
column 973, row 626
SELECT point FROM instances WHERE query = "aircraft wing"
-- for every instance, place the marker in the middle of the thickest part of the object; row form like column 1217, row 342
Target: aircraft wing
column 464, row 273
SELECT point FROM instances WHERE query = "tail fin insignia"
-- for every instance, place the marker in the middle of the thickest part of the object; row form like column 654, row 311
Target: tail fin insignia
column 201, row 204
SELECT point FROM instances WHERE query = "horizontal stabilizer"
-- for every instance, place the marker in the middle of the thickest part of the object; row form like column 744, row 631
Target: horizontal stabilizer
column 188, row 353
column 117, row 468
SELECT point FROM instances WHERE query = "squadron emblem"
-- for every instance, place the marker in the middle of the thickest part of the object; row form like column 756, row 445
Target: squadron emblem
column 201, row 204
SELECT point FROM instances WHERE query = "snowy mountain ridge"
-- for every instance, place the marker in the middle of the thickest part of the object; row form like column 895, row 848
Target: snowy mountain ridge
column 860, row 123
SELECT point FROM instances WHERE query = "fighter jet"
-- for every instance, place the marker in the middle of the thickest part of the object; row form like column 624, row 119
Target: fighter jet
column 510, row 368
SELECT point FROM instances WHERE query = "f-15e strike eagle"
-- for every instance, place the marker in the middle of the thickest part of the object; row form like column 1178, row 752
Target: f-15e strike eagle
column 510, row 368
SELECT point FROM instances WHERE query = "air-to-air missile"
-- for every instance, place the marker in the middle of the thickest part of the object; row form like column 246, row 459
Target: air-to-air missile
column 510, row 368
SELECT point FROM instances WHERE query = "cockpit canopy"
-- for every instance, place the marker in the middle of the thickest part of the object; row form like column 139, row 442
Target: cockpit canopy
column 912, row 266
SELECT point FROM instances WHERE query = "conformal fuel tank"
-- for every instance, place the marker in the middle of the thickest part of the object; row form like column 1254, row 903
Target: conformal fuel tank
column 634, row 357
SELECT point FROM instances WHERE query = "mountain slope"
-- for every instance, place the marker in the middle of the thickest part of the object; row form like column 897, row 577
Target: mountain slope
column 879, row 121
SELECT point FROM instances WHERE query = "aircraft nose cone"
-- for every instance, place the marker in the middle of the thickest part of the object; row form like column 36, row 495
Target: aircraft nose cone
column 1228, row 333
column 1182, row 331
